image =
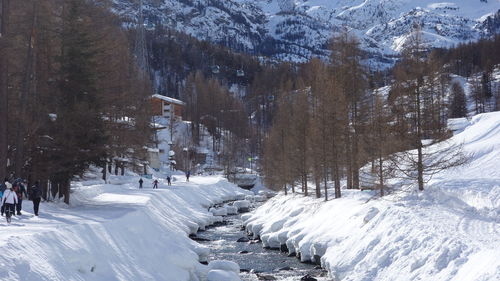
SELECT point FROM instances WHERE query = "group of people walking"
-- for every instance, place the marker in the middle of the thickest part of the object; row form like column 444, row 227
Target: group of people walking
column 155, row 182
column 14, row 193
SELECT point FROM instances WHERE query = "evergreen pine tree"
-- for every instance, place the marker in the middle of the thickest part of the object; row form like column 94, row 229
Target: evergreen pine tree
column 79, row 128
column 458, row 106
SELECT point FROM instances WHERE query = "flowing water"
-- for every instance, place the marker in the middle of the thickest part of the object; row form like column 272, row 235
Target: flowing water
column 262, row 262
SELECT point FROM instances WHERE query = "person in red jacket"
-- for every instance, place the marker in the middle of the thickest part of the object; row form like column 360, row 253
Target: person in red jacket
column 21, row 193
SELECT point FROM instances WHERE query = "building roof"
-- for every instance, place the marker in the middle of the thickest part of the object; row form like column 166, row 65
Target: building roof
column 168, row 99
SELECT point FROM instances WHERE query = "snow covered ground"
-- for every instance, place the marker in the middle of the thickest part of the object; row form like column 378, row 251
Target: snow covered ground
column 116, row 231
column 450, row 231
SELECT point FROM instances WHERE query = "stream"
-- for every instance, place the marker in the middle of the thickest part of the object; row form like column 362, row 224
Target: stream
column 263, row 263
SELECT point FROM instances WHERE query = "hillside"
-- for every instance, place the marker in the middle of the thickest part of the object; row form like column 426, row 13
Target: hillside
column 450, row 231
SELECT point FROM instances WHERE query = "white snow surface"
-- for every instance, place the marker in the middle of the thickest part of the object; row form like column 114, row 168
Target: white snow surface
column 116, row 231
column 450, row 231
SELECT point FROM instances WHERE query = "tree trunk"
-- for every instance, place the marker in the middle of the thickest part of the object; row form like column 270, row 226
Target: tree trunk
column 104, row 172
column 326, row 187
column 44, row 187
column 337, row 180
column 381, row 174
column 4, row 108
column 66, row 187
column 420, row 167
column 355, row 149
column 306, row 192
column 23, row 100
column 420, row 161
column 318, row 187
column 336, row 170
column 60, row 189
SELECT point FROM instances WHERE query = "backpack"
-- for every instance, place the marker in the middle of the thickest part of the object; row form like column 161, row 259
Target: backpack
column 3, row 187
column 18, row 189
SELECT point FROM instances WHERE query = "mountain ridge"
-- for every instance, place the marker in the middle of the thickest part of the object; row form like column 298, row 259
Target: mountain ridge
column 295, row 30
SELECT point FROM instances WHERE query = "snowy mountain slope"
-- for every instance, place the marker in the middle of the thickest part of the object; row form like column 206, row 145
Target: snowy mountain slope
column 450, row 231
column 115, row 231
column 295, row 30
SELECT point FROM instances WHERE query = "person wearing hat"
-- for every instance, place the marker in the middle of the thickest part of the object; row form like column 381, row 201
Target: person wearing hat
column 3, row 187
column 9, row 199
column 36, row 196
column 20, row 191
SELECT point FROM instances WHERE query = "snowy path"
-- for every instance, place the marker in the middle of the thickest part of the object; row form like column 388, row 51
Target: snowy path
column 114, row 232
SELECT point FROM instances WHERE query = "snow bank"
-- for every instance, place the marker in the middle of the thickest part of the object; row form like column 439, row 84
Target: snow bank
column 221, row 275
column 231, row 210
column 224, row 265
column 116, row 232
column 242, row 205
column 219, row 211
column 451, row 231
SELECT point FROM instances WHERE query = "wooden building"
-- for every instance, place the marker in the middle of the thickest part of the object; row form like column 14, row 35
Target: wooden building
column 167, row 107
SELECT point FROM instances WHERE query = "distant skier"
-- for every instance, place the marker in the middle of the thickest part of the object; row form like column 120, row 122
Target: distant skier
column 140, row 183
column 188, row 173
column 36, row 196
column 155, row 184
column 168, row 180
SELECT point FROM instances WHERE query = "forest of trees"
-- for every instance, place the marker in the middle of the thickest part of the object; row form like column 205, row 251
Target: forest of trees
column 70, row 92
column 72, row 96
column 330, row 124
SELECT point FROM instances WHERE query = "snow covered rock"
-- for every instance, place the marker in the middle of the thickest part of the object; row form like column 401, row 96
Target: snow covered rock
column 243, row 239
column 221, row 275
column 224, row 265
column 260, row 198
column 242, row 205
column 231, row 210
column 202, row 252
column 219, row 211
column 240, row 196
column 216, row 219
column 245, row 217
